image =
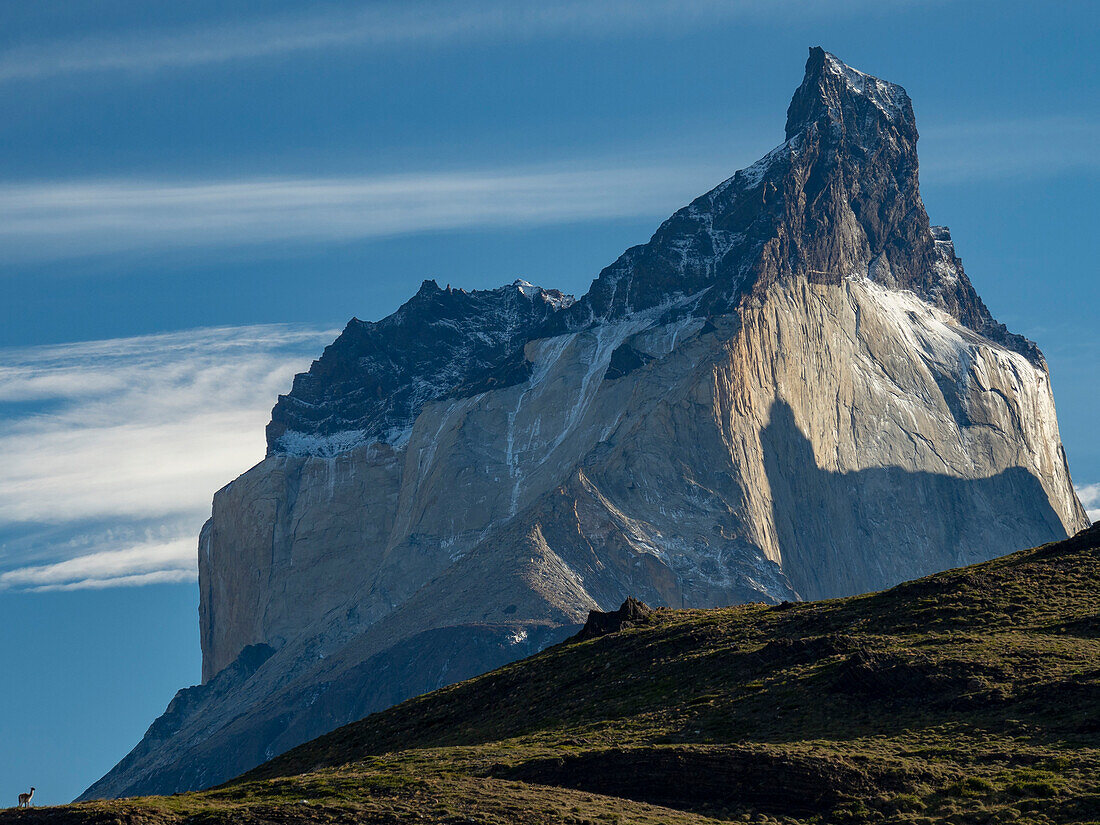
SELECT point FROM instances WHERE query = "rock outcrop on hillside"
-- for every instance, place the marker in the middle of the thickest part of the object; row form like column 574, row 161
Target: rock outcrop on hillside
column 792, row 391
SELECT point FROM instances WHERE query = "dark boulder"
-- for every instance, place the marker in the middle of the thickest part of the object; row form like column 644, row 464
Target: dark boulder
column 599, row 623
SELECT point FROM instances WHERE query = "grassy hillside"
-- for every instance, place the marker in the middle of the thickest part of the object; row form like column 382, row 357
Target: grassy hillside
column 969, row 696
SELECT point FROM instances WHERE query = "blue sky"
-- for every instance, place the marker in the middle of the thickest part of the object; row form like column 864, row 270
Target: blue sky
column 195, row 196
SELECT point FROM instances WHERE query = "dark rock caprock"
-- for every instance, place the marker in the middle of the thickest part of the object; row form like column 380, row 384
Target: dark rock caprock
column 599, row 623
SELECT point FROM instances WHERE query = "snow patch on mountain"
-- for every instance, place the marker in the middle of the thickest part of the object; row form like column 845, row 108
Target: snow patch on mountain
column 889, row 98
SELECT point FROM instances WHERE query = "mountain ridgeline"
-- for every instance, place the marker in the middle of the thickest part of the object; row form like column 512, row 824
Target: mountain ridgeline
column 792, row 391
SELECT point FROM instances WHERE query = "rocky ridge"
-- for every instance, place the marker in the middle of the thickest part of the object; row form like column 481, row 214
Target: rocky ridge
column 372, row 382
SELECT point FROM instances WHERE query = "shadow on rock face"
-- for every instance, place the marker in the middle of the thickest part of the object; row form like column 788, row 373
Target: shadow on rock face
column 855, row 532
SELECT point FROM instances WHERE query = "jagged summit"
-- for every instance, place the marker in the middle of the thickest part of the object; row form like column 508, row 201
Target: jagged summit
column 839, row 198
column 834, row 91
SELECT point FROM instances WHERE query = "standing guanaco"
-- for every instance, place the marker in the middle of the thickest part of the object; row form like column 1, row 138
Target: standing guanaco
column 25, row 799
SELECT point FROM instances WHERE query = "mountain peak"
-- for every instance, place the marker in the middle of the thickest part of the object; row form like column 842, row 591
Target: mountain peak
column 834, row 91
column 839, row 199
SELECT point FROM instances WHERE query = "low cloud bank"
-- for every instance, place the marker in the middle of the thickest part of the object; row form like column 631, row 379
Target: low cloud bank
column 114, row 448
column 1090, row 498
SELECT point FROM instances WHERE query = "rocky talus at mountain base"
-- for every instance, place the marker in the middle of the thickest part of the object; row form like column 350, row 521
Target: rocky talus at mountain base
column 791, row 392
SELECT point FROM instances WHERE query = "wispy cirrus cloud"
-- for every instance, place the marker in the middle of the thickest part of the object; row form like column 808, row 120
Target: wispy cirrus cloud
column 1010, row 149
column 53, row 220
column 381, row 25
column 114, row 448
column 69, row 218
column 1089, row 494
column 151, row 563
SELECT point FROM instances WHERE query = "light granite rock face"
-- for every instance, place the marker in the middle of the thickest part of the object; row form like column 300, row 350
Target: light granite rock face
column 792, row 391
column 266, row 548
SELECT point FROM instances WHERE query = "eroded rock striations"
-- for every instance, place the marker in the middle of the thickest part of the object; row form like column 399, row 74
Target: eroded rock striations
column 792, row 391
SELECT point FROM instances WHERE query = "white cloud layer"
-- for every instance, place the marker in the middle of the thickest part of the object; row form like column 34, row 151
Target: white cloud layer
column 60, row 219
column 1015, row 149
column 143, row 563
column 1089, row 494
column 86, row 217
column 380, row 25
column 117, row 447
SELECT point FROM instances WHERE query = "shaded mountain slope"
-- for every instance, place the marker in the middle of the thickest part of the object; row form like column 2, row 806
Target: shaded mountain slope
column 968, row 696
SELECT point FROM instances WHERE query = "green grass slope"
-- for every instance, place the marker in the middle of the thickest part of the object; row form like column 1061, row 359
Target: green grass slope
column 968, row 696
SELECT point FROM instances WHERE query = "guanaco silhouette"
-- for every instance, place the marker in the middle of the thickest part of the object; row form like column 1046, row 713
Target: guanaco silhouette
column 25, row 799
